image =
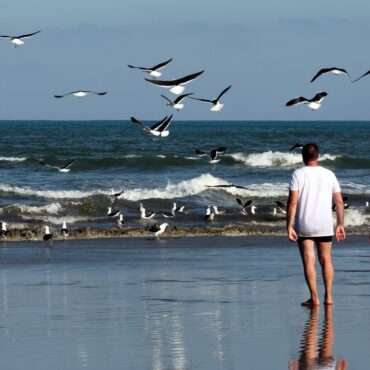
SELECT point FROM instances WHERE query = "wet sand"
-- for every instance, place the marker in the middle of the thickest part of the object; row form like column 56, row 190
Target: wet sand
column 179, row 303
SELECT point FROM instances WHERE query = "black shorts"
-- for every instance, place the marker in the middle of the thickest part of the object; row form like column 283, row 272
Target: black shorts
column 322, row 239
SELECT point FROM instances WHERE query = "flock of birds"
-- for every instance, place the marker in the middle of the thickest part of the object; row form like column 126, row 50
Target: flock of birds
column 161, row 129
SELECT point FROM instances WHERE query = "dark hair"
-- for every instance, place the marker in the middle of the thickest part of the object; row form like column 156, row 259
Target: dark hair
column 310, row 152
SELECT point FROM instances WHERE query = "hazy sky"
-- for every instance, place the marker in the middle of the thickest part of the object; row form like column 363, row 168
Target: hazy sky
column 268, row 50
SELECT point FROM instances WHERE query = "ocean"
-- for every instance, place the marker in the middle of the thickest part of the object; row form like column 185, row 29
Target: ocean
column 159, row 171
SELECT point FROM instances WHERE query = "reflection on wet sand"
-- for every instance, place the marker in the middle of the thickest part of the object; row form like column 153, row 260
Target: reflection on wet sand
column 316, row 352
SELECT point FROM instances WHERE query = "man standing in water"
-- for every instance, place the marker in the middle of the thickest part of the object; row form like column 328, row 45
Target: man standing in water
column 312, row 190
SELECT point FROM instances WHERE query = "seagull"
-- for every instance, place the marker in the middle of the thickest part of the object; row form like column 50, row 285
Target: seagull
column 216, row 105
column 120, row 220
column 143, row 214
column 17, row 40
column 214, row 153
column 170, row 214
column 334, row 70
column 176, row 86
column 113, row 214
column 176, row 104
column 158, row 129
column 216, row 211
column 281, row 207
column 253, row 209
column 3, row 231
column 80, row 93
column 180, row 209
column 244, row 206
column 64, row 232
column 65, row 168
column 153, row 71
column 296, row 145
column 314, row 103
column 365, row 74
column 47, row 236
column 158, row 229
column 210, row 214
column 118, row 195
column 226, row 186
column 345, row 205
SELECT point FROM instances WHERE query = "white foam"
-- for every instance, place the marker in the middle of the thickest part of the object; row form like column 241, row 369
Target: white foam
column 354, row 217
column 192, row 158
column 51, row 209
column 51, row 194
column 273, row 159
column 161, row 156
column 131, row 156
column 56, row 220
column 13, row 159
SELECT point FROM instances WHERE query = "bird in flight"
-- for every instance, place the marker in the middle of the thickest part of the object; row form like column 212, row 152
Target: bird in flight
column 64, row 168
column 216, row 105
column 18, row 40
column 314, row 103
column 80, row 93
column 334, row 70
column 153, row 71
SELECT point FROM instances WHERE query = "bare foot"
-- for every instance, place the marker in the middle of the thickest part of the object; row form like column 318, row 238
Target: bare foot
column 311, row 302
column 328, row 302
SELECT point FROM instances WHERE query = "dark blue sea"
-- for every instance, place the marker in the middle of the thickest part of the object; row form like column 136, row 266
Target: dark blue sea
column 159, row 171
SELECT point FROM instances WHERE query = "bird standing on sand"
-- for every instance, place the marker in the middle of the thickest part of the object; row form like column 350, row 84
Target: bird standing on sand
column 158, row 229
column 64, row 232
column 18, row 40
column 3, row 231
column 48, row 237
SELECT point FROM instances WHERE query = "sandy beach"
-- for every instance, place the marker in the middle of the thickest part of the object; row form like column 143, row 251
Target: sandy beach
column 178, row 303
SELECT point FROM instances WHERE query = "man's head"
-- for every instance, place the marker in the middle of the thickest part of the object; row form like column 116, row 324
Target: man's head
column 310, row 153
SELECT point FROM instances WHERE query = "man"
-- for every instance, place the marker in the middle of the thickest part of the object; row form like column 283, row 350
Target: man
column 312, row 190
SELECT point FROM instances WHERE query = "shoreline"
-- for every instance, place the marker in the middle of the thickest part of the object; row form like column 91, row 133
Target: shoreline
column 36, row 233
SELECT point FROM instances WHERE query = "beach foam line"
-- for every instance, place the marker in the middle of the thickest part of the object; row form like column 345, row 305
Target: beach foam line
column 51, row 209
column 273, row 159
column 13, row 159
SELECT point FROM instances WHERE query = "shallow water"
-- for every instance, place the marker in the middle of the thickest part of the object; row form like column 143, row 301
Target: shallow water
column 186, row 303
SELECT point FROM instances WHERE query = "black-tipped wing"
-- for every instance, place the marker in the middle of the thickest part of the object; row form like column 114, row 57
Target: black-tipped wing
column 161, row 65
column 62, row 96
column 216, row 151
column 297, row 100
column 97, row 93
column 142, row 68
column 165, row 124
column 203, row 100
column 223, row 92
column 179, row 98
column 136, row 121
column 169, row 100
column 319, row 96
column 6, row 36
column 365, row 74
column 154, row 228
column 157, row 125
column 27, row 35
column 69, row 164
column 226, row 186
column 179, row 81
column 48, row 165
column 296, row 145
column 327, row 70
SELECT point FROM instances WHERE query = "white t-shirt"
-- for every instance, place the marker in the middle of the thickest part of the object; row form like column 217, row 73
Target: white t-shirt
column 315, row 186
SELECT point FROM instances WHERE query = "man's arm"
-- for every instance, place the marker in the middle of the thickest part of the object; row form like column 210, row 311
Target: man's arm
column 339, row 207
column 291, row 210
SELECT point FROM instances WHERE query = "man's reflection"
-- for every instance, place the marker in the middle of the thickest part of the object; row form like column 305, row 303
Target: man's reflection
column 317, row 353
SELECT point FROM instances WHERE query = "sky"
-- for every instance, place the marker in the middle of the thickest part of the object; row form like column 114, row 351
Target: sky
column 267, row 50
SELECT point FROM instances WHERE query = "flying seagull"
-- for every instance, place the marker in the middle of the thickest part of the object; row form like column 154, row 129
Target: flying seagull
column 170, row 214
column 145, row 215
column 80, row 93
column 214, row 153
column 176, row 86
column 365, row 74
column 334, row 70
column 210, row 214
column 176, row 104
column 153, row 71
column 314, row 103
column 216, row 105
column 65, row 168
column 158, row 129
column 158, row 229
column 113, row 214
column 117, row 195
column 296, row 145
column 281, row 207
column 17, row 40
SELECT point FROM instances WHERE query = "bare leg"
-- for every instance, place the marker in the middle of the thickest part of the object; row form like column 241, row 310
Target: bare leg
column 307, row 250
column 324, row 254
